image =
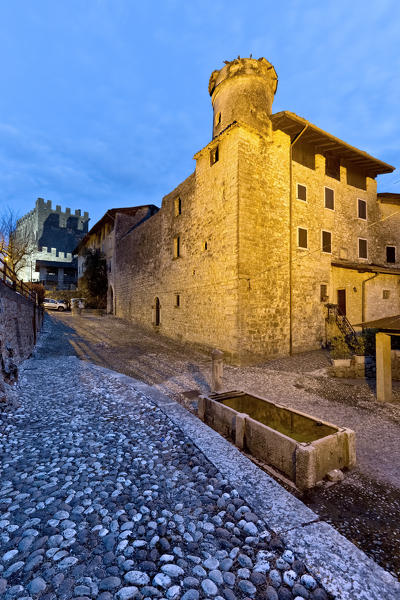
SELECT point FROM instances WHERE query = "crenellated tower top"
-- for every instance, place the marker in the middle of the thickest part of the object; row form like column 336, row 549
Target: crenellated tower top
column 243, row 91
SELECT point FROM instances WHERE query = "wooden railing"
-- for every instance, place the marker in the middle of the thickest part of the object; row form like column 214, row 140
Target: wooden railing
column 9, row 278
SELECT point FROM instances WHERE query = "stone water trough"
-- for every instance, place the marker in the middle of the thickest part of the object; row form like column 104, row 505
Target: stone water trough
column 297, row 445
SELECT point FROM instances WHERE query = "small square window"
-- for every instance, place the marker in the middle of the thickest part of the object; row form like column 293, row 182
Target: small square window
column 177, row 246
column 323, row 292
column 178, row 206
column 302, row 237
column 386, row 294
column 301, row 192
column 390, row 254
column 362, row 248
column 214, row 155
column 326, row 242
column 362, row 209
column 329, row 199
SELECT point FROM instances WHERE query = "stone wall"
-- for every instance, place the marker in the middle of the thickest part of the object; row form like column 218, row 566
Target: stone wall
column 20, row 322
column 204, row 276
column 389, row 229
column 364, row 367
column 263, row 231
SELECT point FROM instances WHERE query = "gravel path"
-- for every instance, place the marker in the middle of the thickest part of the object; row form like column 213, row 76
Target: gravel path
column 102, row 496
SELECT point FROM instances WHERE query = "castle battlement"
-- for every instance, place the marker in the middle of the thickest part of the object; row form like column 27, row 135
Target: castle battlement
column 243, row 91
column 54, row 233
column 45, row 207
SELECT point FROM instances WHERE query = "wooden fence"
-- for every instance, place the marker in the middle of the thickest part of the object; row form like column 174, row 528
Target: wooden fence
column 9, row 277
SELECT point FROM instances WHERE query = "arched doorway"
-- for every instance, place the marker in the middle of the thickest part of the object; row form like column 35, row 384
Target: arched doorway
column 157, row 312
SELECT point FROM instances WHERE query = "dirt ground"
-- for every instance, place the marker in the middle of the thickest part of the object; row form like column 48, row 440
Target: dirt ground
column 366, row 506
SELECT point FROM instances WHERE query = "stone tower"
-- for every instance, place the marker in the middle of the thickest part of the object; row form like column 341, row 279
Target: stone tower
column 243, row 91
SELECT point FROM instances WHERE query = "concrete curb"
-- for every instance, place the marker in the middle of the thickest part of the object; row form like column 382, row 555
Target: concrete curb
column 343, row 569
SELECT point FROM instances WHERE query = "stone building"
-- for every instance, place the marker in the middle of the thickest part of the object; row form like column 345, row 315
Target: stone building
column 102, row 237
column 278, row 219
column 53, row 235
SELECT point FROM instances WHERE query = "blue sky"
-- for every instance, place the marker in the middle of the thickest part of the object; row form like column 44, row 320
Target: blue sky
column 104, row 102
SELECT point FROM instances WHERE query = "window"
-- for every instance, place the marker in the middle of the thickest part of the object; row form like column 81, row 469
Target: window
column 304, row 154
column 390, row 254
column 332, row 167
column 329, row 198
column 362, row 209
column 326, row 242
column 214, row 156
column 178, row 206
column 302, row 235
column 205, row 245
column 362, row 248
column 177, row 300
column 386, row 294
column 356, row 178
column 177, row 246
column 301, row 192
column 323, row 292
column 218, row 119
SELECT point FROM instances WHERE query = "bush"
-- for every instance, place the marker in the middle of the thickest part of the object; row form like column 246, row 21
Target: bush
column 361, row 344
column 93, row 284
column 38, row 289
column 339, row 348
column 370, row 345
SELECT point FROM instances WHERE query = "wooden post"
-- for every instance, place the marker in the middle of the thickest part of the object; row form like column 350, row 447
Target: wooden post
column 217, row 372
column 383, row 368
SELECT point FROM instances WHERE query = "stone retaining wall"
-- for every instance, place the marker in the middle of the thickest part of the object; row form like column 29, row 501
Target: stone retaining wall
column 20, row 322
column 361, row 367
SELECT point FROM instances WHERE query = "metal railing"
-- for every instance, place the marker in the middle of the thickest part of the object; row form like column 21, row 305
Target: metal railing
column 10, row 279
column 344, row 325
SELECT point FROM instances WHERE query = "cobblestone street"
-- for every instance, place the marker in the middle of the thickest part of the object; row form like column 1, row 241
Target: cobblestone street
column 104, row 496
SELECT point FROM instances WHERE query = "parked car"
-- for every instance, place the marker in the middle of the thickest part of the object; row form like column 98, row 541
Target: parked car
column 78, row 302
column 52, row 304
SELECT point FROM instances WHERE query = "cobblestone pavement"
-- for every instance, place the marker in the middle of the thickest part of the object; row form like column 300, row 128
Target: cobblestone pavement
column 365, row 507
column 102, row 496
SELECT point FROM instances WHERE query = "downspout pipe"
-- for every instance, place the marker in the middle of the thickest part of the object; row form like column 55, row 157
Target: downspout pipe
column 292, row 143
column 363, row 297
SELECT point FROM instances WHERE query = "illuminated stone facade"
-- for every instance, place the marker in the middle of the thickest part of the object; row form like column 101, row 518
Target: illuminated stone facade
column 222, row 263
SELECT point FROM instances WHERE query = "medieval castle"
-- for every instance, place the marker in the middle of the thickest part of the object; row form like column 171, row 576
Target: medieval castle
column 53, row 235
column 278, row 219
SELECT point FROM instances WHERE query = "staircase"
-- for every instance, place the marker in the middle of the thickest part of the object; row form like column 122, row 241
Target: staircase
column 335, row 315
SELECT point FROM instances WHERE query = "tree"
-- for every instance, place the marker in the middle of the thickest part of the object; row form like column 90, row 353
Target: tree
column 15, row 243
column 93, row 282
